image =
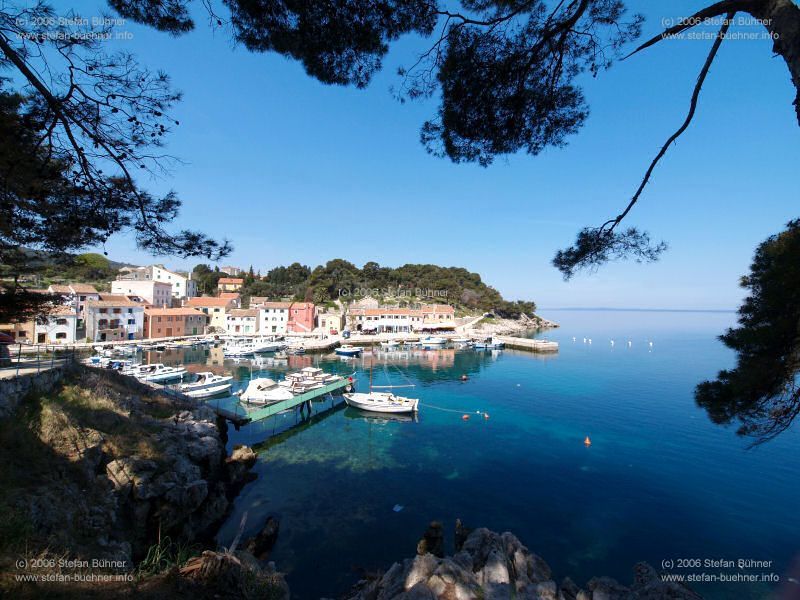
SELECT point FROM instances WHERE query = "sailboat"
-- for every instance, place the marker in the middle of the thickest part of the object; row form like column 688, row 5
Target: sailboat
column 381, row 402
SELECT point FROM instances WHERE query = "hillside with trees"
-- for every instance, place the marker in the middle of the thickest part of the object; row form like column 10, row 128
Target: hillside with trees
column 341, row 280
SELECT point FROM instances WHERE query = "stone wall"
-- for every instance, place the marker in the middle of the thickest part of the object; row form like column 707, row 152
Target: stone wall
column 14, row 389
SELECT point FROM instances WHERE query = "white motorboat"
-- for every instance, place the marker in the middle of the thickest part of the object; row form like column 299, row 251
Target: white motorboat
column 381, row 402
column 348, row 350
column 433, row 340
column 155, row 372
column 244, row 347
column 489, row 344
column 390, row 344
column 264, row 391
column 207, row 384
column 461, row 340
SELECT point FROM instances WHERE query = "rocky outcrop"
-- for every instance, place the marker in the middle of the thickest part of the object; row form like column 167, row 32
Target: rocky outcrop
column 113, row 467
column 260, row 545
column 494, row 566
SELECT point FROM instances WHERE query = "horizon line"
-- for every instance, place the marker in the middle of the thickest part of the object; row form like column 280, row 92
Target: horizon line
column 634, row 309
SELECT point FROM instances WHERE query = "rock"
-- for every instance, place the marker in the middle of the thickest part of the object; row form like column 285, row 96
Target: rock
column 494, row 566
column 461, row 534
column 238, row 465
column 261, row 544
column 432, row 540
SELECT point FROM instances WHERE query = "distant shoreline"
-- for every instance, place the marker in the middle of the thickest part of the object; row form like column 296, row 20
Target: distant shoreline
column 680, row 310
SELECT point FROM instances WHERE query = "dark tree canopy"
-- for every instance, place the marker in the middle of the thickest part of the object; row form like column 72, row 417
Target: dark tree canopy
column 762, row 393
column 74, row 138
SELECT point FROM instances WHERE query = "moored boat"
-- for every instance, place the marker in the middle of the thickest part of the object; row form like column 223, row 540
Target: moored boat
column 348, row 350
column 381, row 402
column 264, row 391
column 155, row 372
column 207, row 384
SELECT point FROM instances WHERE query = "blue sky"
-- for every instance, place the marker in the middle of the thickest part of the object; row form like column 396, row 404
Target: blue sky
column 292, row 170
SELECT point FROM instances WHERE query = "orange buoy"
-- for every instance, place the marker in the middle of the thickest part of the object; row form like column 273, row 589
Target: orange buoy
column 465, row 417
column 587, row 442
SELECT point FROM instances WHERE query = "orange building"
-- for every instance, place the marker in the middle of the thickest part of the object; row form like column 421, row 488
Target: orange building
column 173, row 322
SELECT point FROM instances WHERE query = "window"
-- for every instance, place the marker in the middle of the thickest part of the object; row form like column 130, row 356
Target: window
column 117, row 311
column 131, row 321
column 61, row 335
column 61, row 321
column 103, row 311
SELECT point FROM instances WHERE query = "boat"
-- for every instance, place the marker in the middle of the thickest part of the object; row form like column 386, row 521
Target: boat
column 348, row 350
column 207, row 384
column 263, row 390
column 155, row 372
column 461, row 340
column 381, row 402
column 390, row 344
column 433, row 340
column 489, row 344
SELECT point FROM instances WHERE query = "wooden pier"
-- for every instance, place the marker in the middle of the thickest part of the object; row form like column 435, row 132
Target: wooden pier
column 242, row 414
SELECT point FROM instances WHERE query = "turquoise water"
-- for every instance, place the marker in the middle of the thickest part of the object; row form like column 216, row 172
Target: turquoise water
column 659, row 482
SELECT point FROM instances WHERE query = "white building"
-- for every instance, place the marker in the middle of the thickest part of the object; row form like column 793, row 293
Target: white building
column 114, row 320
column 59, row 327
column 76, row 295
column 182, row 284
column 156, row 293
column 242, row 321
column 273, row 317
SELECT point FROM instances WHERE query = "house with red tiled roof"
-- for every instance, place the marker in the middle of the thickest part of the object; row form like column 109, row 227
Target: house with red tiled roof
column 114, row 317
column 230, row 284
column 76, row 295
column 216, row 309
column 60, row 326
column 242, row 321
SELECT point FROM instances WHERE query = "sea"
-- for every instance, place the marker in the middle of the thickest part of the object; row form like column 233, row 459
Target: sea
column 507, row 449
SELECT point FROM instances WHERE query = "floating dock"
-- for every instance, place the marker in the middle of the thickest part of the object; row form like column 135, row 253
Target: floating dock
column 241, row 413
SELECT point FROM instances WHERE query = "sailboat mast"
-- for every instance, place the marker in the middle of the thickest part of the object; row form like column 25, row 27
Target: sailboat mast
column 370, row 375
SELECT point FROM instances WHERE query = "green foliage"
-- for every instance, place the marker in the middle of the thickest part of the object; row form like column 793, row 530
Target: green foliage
column 339, row 279
column 164, row 555
column 206, row 278
column 762, row 391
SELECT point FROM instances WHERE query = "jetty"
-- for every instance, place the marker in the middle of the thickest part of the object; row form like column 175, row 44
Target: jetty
column 242, row 413
column 531, row 345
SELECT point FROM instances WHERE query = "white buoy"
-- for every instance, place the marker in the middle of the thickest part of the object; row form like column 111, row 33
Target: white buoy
column 651, row 344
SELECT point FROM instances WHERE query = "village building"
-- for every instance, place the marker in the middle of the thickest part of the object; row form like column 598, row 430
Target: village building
column 330, row 323
column 76, row 295
column 183, row 286
column 60, row 326
column 215, row 309
column 231, row 271
column 242, row 321
column 113, row 319
column 301, row 317
column 229, row 284
column 234, row 297
column 273, row 317
column 173, row 322
column 155, row 293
